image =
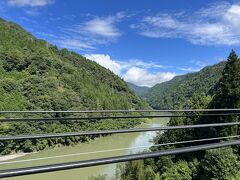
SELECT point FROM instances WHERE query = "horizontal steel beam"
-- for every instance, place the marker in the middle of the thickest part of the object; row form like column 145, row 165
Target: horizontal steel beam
column 121, row 131
column 216, row 139
column 110, row 117
column 109, row 160
column 124, row 111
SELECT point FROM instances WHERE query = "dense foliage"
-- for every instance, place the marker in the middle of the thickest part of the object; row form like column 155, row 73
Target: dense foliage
column 178, row 90
column 222, row 163
column 36, row 75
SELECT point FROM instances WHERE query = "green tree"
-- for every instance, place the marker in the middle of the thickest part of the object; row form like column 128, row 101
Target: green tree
column 28, row 146
column 219, row 164
column 227, row 96
column 179, row 171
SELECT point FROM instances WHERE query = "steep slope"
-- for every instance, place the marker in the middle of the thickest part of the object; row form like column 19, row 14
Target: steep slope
column 176, row 91
column 139, row 90
column 29, row 64
column 36, row 75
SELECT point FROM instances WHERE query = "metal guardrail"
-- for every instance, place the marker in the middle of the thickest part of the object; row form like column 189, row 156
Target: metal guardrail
column 72, row 165
column 121, row 131
column 123, row 111
column 117, row 159
column 110, row 117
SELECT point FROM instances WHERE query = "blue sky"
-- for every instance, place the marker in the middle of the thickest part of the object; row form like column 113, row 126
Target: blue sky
column 144, row 41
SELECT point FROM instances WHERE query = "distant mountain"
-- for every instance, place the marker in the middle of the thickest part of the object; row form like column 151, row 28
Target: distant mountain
column 178, row 90
column 139, row 90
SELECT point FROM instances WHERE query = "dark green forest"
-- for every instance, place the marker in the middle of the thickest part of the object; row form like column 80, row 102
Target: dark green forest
column 36, row 75
column 215, row 164
column 177, row 91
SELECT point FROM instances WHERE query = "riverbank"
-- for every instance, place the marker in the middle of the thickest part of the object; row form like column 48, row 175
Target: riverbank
column 12, row 156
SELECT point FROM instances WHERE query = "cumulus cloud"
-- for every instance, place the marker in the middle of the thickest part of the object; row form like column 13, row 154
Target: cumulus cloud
column 105, row 61
column 142, row 77
column 31, row 3
column 215, row 25
column 232, row 16
column 134, row 71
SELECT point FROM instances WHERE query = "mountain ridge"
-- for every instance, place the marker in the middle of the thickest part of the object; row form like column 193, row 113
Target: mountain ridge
column 168, row 94
column 139, row 90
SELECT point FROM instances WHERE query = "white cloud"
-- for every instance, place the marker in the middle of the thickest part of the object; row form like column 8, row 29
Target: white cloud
column 189, row 69
column 31, row 3
column 232, row 16
column 134, row 71
column 197, row 65
column 32, row 12
column 46, row 34
column 104, row 27
column 215, row 25
column 142, row 77
column 96, row 31
column 105, row 61
column 74, row 44
column 140, row 63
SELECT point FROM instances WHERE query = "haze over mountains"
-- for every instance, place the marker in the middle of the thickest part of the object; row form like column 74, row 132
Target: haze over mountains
column 139, row 90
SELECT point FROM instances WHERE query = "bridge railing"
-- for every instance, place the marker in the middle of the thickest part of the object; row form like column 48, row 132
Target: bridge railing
column 124, row 115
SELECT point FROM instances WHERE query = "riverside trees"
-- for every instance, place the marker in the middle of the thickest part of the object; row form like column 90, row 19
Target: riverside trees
column 221, row 163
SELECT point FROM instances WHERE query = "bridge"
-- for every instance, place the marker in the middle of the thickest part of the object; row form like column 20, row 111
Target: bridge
column 209, row 143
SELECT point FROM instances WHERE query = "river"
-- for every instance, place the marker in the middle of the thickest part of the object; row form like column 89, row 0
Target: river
column 117, row 141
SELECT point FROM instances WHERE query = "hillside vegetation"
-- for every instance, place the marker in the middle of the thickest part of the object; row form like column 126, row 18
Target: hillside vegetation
column 36, row 75
column 220, row 163
column 177, row 91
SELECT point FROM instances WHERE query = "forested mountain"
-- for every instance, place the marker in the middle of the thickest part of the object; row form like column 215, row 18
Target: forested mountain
column 139, row 90
column 36, row 75
column 219, row 163
column 178, row 90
